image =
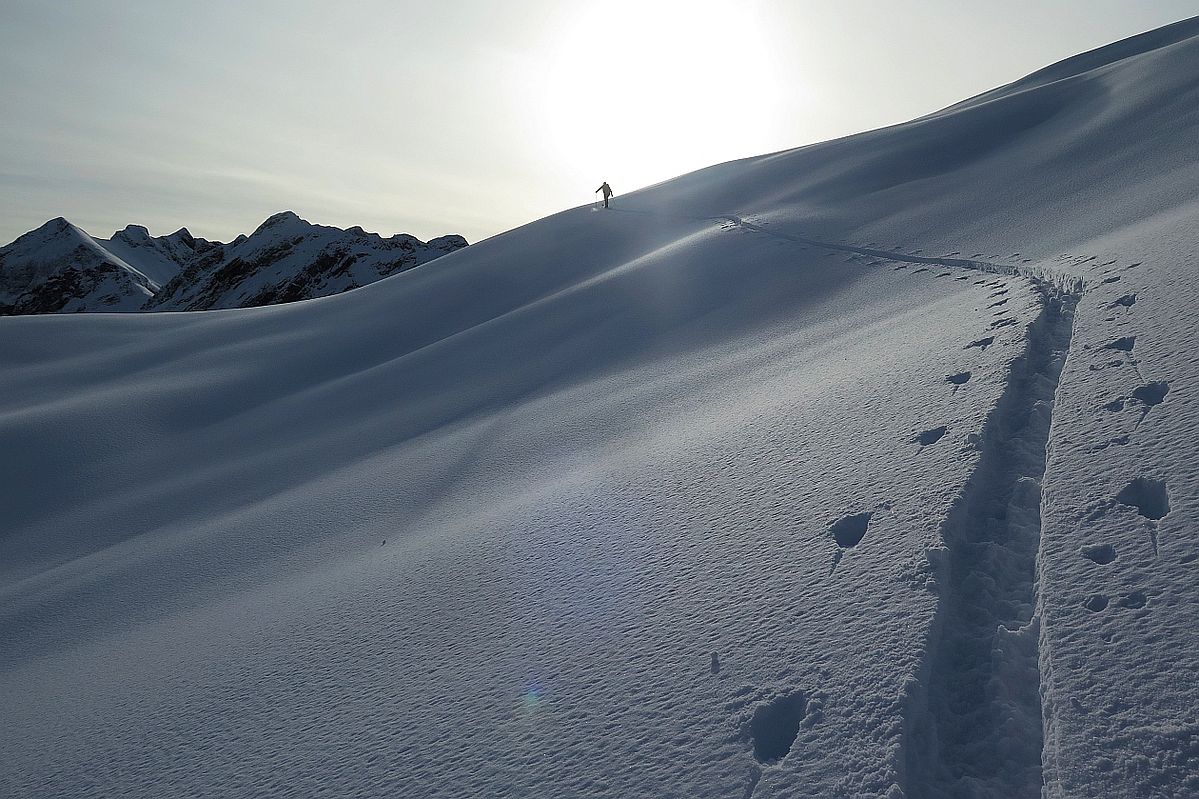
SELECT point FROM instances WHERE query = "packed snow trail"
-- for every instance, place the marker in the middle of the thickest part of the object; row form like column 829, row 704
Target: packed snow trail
column 976, row 723
column 1059, row 280
column 976, row 726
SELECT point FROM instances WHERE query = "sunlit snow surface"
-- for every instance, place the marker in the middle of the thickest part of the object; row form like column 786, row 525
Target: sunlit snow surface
column 665, row 500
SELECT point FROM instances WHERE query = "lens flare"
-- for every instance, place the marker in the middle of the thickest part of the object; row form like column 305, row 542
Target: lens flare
column 532, row 698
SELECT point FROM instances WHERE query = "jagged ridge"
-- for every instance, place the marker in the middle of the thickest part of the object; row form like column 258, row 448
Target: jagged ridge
column 60, row 268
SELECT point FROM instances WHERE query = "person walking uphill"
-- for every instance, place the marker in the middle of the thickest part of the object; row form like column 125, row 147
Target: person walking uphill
column 607, row 190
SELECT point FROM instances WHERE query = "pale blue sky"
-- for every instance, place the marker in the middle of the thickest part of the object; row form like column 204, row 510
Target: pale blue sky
column 467, row 116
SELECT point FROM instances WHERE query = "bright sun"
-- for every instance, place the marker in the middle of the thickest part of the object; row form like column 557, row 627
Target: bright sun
column 641, row 91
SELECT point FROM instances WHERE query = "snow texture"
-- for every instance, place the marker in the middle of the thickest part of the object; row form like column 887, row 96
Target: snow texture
column 864, row 469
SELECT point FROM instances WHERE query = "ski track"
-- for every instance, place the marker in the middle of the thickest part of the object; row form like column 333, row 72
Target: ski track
column 1059, row 282
column 975, row 724
column 1064, row 283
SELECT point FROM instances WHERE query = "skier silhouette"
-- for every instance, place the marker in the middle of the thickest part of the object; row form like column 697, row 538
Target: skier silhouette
column 607, row 190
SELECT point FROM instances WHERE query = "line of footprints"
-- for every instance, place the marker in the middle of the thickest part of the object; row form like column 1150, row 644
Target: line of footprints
column 848, row 531
column 1148, row 496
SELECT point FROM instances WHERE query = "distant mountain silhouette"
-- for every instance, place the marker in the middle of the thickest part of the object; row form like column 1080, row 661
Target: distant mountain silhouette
column 59, row 268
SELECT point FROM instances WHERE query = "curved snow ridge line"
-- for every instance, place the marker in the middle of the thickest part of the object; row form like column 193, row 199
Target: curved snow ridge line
column 1070, row 284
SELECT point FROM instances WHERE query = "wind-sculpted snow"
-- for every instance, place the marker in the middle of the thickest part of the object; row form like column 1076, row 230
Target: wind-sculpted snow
column 592, row 473
column 866, row 469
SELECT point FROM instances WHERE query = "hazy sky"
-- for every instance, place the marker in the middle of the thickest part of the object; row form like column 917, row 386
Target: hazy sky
column 467, row 116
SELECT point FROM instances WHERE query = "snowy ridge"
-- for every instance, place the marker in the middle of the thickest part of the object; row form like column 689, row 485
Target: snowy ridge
column 159, row 258
column 60, row 268
column 288, row 259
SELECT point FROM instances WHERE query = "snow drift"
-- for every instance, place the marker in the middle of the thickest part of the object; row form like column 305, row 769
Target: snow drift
column 864, row 469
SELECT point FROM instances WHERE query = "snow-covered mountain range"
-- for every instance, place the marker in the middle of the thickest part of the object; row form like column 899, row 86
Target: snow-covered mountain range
column 59, row 268
column 865, row 469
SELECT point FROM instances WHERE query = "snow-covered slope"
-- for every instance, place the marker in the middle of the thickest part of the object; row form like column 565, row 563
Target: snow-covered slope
column 865, row 469
column 60, row 268
column 288, row 259
column 159, row 258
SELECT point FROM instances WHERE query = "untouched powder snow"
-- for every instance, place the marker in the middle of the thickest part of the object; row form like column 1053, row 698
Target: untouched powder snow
column 865, row 469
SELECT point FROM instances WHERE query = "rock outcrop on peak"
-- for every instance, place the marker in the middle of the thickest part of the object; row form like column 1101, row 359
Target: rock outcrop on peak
column 59, row 268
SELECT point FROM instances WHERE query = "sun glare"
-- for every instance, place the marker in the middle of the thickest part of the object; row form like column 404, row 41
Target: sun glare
column 637, row 92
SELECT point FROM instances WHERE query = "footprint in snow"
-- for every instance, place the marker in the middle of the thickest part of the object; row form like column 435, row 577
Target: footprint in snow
column 929, row 437
column 1102, row 554
column 774, row 726
column 1095, row 603
column 1123, row 344
column 1151, row 394
column 848, row 532
column 1148, row 496
column 1150, row 499
column 982, row 343
column 958, row 380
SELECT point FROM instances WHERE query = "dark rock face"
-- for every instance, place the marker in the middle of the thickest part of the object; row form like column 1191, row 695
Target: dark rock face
column 59, row 268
